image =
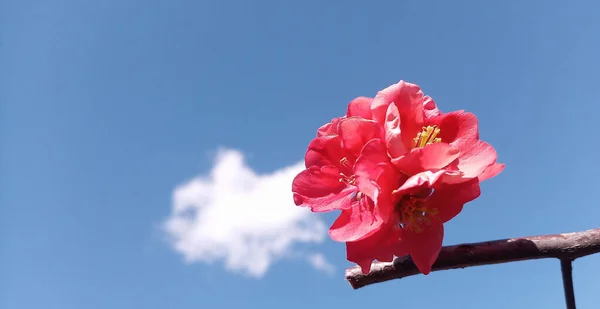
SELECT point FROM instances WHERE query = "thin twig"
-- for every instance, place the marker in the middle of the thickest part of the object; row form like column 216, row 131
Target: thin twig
column 567, row 275
column 567, row 246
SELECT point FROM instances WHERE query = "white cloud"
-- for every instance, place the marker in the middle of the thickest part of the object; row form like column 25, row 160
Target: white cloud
column 318, row 261
column 246, row 220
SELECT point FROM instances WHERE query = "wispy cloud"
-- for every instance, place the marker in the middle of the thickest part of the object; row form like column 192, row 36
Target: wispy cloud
column 247, row 221
column 318, row 261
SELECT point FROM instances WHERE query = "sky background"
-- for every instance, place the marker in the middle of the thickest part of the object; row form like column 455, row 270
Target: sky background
column 148, row 147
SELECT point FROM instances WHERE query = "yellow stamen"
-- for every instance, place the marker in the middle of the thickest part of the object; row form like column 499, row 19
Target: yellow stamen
column 427, row 136
column 349, row 180
column 345, row 162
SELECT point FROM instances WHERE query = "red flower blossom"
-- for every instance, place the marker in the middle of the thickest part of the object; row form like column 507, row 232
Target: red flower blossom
column 398, row 169
column 412, row 210
column 329, row 181
column 419, row 137
column 377, row 178
column 374, row 179
column 424, row 204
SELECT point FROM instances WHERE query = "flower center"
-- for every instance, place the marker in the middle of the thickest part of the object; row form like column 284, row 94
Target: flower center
column 348, row 180
column 356, row 196
column 346, row 163
column 427, row 136
column 414, row 213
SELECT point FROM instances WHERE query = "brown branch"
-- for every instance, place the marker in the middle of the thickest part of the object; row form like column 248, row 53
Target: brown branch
column 567, row 246
column 567, row 274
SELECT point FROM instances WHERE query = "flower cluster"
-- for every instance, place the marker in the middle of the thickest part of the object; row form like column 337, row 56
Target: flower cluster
column 397, row 168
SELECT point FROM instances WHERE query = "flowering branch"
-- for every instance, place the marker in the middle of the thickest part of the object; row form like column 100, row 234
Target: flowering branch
column 565, row 247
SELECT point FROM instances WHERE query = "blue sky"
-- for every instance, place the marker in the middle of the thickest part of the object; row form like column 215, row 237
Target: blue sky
column 147, row 146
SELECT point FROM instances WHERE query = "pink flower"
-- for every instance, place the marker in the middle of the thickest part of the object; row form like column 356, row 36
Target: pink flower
column 329, row 181
column 424, row 204
column 419, row 137
column 397, row 168
column 412, row 210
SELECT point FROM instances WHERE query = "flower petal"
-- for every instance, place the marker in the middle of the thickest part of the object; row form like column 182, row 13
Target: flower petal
column 430, row 109
column 360, row 107
column 382, row 246
column 409, row 100
column 450, row 199
column 416, row 183
column 456, row 125
column 329, row 128
column 357, row 222
column 355, row 132
column 407, row 96
column 376, row 177
column 475, row 156
column 324, row 150
column 366, row 167
column 424, row 246
column 373, row 153
column 320, row 189
column 430, row 157
column 393, row 134
column 491, row 171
